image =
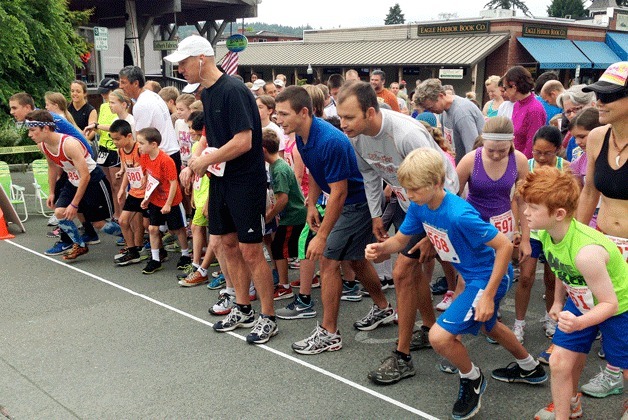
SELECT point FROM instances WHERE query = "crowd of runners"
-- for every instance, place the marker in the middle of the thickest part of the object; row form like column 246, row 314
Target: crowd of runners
column 261, row 178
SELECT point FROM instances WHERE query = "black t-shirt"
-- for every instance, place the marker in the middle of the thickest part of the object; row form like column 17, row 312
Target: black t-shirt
column 230, row 108
column 81, row 116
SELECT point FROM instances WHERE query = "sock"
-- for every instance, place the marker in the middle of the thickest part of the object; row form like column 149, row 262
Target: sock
column 195, row 265
column 520, row 322
column 613, row 370
column 155, row 254
column 271, row 317
column 230, row 290
column 528, row 363
column 185, row 252
column 307, row 299
column 245, row 309
column 70, row 228
column 202, row 270
column 473, row 374
column 285, row 286
column 403, row 356
column 89, row 229
column 138, row 248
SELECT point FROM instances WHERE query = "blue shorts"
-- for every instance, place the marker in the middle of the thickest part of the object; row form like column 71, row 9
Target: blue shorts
column 615, row 343
column 458, row 318
column 537, row 250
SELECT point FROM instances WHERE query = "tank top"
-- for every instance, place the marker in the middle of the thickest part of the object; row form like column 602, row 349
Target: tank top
column 489, row 197
column 288, row 157
column 490, row 112
column 60, row 159
column 559, row 164
column 81, row 116
column 612, row 183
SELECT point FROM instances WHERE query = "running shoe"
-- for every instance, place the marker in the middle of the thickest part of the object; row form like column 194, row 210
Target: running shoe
column 446, row 302
column 469, row 397
column 252, row 293
column 163, row 255
column 183, row 262
column 193, row 279
column 264, row 329
column 215, row 274
column 387, row 284
column 297, row 309
column 129, row 257
column 547, row 413
column 90, row 240
column 375, row 318
column 121, row 242
column 145, row 253
column 392, row 369
column 294, row 263
column 168, row 238
column 604, row 384
column 58, row 248
column 420, row 339
column 544, row 356
column 235, row 319
column 514, row 373
column 321, row 340
column 186, row 271
column 173, row 247
column 281, row 292
column 350, row 293
column 217, row 282
column 75, row 252
column 152, row 266
column 439, row 287
column 316, row 282
column 112, row 228
column 224, row 305
column 519, row 330
column 549, row 325
column 446, row 366
column 54, row 233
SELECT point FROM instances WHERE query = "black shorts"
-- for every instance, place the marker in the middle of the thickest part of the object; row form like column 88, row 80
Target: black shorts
column 175, row 219
column 134, row 204
column 286, row 242
column 238, row 208
column 108, row 158
column 96, row 204
column 414, row 239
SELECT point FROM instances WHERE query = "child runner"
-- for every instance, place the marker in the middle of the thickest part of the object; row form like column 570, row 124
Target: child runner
column 481, row 254
column 591, row 271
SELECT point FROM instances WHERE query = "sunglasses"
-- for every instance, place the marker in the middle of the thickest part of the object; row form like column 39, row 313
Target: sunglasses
column 607, row 98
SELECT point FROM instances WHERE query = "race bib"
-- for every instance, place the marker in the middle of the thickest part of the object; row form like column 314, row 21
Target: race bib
column 134, row 175
column 442, row 243
column 449, row 136
column 151, row 184
column 622, row 244
column 73, row 176
column 196, row 184
column 402, row 198
column 505, row 223
column 103, row 154
column 217, row 169
column 581, row 297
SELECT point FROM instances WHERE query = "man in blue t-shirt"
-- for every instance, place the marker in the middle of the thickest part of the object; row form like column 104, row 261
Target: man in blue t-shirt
column 346, row 228
column 481, row 254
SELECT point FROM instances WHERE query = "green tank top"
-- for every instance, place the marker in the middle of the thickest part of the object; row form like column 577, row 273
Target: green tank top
column 561, row 258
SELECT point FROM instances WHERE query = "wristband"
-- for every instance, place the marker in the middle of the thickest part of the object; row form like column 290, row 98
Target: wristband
column 76, row 207
column 96, row 126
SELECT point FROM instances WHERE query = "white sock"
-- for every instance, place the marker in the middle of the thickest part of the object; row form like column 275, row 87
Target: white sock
column 185, row 252
column 528, row 363
column 230, row 290
column 521, row 322
column 202, row 270
column 473, row 374
column 155, row 254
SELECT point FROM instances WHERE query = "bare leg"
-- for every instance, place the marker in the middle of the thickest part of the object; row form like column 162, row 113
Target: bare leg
column 331, row 290
column 407, row 275
column 253, row 256
column 524, row 287
column 368, row 276
column 504, row 336
column 566, row 367
column 306, row 274
column 446, row 344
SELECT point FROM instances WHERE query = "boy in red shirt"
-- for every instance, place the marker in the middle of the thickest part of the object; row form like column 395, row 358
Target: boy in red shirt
column 162, row 198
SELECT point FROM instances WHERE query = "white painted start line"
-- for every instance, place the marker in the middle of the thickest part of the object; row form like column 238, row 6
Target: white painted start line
column 238, row 336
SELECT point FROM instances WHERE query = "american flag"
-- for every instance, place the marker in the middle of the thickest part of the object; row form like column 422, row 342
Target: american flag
column 230, row 63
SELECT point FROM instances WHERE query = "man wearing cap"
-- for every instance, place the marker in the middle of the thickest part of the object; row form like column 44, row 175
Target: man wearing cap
column 193, row 89
column 279, row 85
column 237, row 208
column 258, row 87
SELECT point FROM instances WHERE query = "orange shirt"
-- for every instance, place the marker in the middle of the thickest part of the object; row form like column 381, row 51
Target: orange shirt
column 134, row 170
column 390, row 99
column 162, row 169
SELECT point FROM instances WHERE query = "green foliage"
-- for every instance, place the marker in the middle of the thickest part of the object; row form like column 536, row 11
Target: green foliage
column 562, row 8
column 272, row 27
column 40, row 47
column 11, row 136
column 394, row 16
column 509, row 5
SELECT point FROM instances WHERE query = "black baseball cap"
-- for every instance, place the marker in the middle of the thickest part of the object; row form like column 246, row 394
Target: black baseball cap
column 107, row 84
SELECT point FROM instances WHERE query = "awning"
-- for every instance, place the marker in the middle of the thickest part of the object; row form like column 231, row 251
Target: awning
column 450, row 50
column 598, row 53
column 555, row 53
column 618, row 43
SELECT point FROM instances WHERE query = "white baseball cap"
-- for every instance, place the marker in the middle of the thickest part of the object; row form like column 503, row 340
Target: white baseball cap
column 192, row 46
column 258, row 84
column 190, row 87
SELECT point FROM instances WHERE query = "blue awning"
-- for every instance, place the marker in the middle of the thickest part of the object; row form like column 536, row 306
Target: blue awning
column 599, row 53
column 618, row 43
column 555, row 53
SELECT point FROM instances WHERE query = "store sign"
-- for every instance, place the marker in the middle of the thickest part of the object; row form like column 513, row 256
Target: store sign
column 539, row 31
column 451, row 74
column 454, row 28
column 165, row 45
column 101, row 38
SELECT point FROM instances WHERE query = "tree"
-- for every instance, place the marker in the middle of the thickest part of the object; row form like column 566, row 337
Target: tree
column 562, row 8
column 508, row 5
column 394, row 16
column 40, row 47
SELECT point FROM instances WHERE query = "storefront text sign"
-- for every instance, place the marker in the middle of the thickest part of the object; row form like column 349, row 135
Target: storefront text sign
column 454, row 28
column 540, row 31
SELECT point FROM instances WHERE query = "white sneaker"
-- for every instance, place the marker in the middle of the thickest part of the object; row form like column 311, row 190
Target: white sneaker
column 604, row 384
column 519, row 330
column 446, row 302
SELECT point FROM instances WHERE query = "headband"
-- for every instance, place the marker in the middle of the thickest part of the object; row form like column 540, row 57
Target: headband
column 498, row 136
column 33, row 124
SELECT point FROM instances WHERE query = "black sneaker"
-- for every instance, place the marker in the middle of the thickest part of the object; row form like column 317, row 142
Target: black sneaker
column 129, row 257
column 469, row 398
column 152, row 267
column 420, row 339
column 393, row 369
column 439, row 287
column 514, row 373
column 183, row 262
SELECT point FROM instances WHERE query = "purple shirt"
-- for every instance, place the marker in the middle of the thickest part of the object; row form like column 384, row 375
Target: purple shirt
column 528, row 116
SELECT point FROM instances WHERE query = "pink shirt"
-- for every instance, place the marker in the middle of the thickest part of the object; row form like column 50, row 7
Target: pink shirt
column 528, row 116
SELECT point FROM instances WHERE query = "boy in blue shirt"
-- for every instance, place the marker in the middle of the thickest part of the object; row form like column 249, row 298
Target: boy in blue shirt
column 481, row 254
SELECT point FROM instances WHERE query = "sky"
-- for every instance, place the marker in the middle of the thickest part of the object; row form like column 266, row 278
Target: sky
column 328, row 14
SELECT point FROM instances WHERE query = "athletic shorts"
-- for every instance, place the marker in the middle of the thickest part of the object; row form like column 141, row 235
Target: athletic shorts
column 622, row 244
column 286, row 242
column 351, row 234
column 175, row 219
column 199, row 218
column 537, row 250
column 458, row 318
column 414, row 239
column 108, row 158
column 615, row 343
column 307, row 235
column 134, row 204
column 238, row 208
column 96, row 204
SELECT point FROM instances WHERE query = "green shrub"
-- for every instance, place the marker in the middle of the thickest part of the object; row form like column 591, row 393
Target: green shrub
column 11, row 136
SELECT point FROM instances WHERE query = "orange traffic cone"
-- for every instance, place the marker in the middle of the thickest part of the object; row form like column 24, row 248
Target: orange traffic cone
column 4, row 231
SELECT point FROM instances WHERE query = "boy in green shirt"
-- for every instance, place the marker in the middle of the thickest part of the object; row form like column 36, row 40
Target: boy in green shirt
column 591, row 271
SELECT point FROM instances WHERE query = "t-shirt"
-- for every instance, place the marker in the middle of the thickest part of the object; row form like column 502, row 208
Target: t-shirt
column 134, row 170
column 528, row 115
column 200, row 185
column 389, row 98
column 505, row 109
column 459, row 235
column 163, row 170
column 151, row 111
column 230, row 108
column 462, row 123
column 106, row 117
column 185, row 141
column 63, row 126
column 282, row 180
column 81, row 116
column 561, row 258
column 329, row 156
column 379, row 157
column 550, row 110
